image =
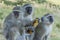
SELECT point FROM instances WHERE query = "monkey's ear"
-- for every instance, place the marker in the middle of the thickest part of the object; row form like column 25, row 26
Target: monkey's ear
column 16, row 13
column 36, row 22
column 28, row 8
column 42, row 19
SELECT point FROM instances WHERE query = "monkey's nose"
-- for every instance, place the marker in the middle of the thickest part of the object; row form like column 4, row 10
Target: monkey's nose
column 29, row 10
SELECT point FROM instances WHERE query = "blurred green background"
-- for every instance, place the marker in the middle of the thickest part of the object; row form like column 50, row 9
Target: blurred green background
column 41, row 7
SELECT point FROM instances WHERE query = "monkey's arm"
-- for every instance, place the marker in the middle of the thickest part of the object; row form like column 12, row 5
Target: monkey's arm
column 8, row 23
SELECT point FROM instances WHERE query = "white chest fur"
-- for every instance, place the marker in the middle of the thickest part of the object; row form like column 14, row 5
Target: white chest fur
column 48, row 29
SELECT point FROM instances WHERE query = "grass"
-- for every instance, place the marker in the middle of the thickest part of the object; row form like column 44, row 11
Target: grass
column 57, row 2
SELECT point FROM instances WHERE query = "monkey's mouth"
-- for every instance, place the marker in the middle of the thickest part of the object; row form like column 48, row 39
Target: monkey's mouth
column 29, row 31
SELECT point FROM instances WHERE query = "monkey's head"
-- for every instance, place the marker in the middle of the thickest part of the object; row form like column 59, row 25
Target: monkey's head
column 47, row 19
column 30, row 28
column 28, row 9
column 17, row 11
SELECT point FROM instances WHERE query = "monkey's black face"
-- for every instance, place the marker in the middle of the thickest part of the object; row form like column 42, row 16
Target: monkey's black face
column 16, row 14
column 47, row 19
column 29, row 29
column 28, row 10
column 50, row 19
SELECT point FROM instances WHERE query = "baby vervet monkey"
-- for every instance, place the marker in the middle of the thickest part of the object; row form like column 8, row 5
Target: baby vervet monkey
column 29, row 30
column 44, row 28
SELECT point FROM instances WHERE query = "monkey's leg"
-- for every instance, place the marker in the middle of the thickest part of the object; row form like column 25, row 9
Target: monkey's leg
column 13, row 34
column 46, row 37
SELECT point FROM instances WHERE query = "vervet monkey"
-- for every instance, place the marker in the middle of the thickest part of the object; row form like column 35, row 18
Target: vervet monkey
column 13, row 18
column 44, row 28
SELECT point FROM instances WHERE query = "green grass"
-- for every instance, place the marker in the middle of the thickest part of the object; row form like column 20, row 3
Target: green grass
column 57, row 2
column 40, row 11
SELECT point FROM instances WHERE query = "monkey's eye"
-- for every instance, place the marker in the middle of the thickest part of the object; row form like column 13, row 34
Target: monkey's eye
column 16, row 13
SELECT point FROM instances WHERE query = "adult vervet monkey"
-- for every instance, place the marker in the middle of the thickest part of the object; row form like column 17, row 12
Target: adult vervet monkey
column 44, row 28
column 13, row 18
